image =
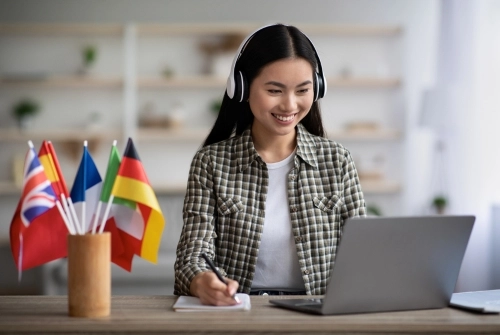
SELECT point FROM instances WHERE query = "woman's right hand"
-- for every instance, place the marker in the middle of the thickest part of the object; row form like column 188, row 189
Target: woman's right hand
column 212, row 291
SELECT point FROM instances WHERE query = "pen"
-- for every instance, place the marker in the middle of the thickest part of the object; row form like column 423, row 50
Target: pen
column 217, row 273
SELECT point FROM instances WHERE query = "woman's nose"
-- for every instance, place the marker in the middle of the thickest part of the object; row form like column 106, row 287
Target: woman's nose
column 289, row 102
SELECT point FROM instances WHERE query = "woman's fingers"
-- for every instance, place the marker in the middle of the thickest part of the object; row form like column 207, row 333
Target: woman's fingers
column 212, row 291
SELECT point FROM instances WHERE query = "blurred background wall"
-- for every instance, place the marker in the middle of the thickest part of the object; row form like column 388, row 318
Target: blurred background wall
column 412, row 96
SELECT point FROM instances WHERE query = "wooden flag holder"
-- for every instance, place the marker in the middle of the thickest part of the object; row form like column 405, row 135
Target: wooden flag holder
column 89, row 275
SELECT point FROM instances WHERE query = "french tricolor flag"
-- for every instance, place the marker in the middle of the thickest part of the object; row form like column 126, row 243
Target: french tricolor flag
column 86, row 191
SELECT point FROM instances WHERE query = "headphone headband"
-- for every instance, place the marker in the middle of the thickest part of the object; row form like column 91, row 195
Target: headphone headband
column 231, row 80
column 236, row 82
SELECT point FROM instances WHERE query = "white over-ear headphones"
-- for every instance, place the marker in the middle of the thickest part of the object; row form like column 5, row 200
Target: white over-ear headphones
column 237, row 87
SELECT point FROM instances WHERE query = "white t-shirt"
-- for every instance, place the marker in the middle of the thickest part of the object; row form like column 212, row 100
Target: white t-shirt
column 277, row 263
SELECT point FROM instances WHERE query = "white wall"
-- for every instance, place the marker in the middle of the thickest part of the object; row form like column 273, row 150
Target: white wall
column 348, row 11
column 418, row 18
column 472, row 79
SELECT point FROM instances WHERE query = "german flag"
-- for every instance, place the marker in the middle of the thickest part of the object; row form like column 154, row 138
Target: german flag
column 140, row 216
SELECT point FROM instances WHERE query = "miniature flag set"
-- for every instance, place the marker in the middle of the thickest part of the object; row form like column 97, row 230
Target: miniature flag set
column 123, row 204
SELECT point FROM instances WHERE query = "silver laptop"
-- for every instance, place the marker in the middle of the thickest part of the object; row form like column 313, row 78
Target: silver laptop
column 392, row 264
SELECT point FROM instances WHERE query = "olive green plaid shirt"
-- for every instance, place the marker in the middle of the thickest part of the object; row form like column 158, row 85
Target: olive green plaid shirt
column 224, row 209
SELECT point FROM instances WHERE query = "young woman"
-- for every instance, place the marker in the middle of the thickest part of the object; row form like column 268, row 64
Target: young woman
column 268, row 194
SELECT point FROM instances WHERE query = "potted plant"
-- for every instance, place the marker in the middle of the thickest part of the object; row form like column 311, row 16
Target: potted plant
column 89, row 56
column 24, row 111
column 373, row 210
column 439, row 202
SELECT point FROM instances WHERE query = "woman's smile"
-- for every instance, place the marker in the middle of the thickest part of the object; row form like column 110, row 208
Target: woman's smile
column 284, row 118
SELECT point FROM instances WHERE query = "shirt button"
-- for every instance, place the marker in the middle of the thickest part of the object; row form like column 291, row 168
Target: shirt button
column 224, row 208
column 294, row 209
column 298, row 239
column 292, row 177
column 306, row 272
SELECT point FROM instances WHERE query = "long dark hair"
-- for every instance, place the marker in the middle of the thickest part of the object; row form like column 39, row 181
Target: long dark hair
column 266, row 46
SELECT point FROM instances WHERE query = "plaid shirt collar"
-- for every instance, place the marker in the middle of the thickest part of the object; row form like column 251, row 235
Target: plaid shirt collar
column 306, row 148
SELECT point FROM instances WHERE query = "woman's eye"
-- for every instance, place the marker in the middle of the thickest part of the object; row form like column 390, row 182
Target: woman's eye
column 274, row 91
column 304, row 91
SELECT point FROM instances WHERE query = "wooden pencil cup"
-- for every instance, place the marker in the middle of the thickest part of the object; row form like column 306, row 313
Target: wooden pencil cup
column 89, row 275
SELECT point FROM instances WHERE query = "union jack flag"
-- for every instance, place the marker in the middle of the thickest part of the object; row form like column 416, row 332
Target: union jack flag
column 37, row 232
column 38, row 195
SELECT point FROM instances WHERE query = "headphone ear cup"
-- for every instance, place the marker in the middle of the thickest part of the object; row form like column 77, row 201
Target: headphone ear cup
column 241, row 92
column 245, row 89
column 319, row 87
column 316, row 86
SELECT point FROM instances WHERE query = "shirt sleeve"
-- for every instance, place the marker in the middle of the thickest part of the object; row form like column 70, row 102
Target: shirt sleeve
column 198, row 232
column 353, row 195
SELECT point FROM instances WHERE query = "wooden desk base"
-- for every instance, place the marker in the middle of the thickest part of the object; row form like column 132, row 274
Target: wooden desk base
column 154, row 314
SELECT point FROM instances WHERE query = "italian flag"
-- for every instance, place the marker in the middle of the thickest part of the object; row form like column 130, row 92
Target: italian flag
column 134, row 213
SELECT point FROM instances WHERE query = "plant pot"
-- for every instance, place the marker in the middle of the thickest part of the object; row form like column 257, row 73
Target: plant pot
column 25, row 122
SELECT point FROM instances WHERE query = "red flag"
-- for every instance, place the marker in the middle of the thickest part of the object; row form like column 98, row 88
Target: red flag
column 48, row 158
column 121, row 255
column 37, row 231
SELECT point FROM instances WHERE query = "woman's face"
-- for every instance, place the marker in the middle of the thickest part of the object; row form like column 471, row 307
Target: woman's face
column 280, row 96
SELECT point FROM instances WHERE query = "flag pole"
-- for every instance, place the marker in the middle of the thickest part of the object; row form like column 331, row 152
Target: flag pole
column 109, row 201
column 98, row 211
column 83, row 223
column 65, row 218
column 68, row 211
column 75, row 217
column 96, row 218
column 20, row 258
column 106, row 213
column 21, row 247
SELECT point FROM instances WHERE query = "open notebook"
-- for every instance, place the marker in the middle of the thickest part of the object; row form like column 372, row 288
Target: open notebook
column 193, row 304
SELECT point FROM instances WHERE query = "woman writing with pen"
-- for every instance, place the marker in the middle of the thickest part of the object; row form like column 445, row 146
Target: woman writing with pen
column 267, row 194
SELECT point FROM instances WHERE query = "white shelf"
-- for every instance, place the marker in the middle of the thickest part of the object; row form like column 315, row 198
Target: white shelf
column 164, row 189
column 350, row 29
column 372, row 135
column 60, row 29
column 9, row 188
column 175, row 134
column 4, row 241
column 380, row 186
column 189, row 29
column 366, row 82
column 181, row 82
column 63, row 135
column 84, row 81
column 246, row 28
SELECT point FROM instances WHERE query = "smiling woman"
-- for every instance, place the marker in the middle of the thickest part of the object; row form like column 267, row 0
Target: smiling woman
column 280, row 97
column 267, row 194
